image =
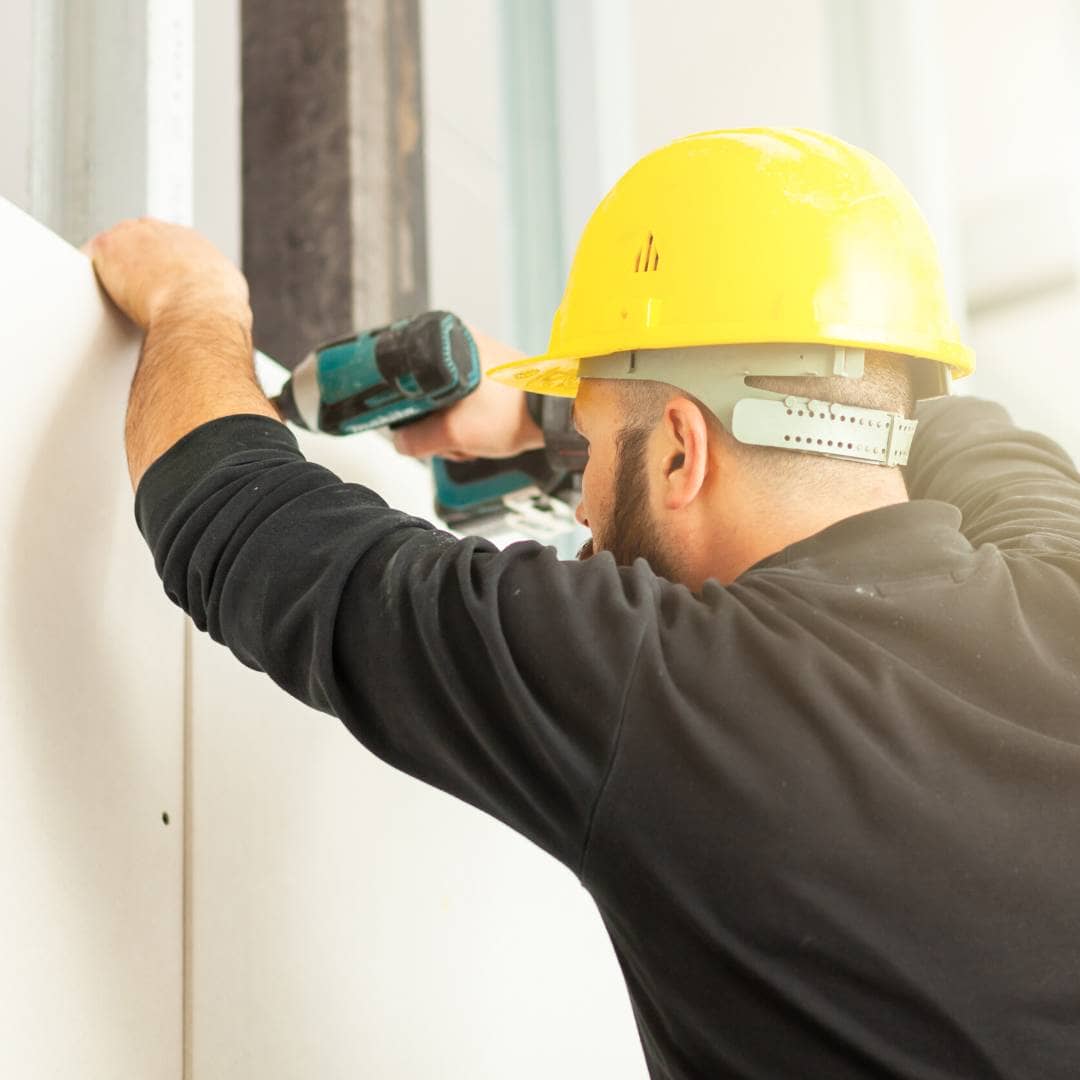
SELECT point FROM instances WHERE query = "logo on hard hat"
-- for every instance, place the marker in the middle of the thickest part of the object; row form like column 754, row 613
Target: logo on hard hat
column 648, row 257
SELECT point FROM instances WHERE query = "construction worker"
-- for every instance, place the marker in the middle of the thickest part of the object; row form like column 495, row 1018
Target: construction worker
column 804, row 727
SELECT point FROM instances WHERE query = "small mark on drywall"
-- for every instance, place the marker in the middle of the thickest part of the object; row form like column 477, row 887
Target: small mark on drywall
column 165, row 817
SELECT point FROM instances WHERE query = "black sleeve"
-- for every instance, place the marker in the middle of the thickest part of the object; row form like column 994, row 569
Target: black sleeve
column 496, row 676
column 1016, row 489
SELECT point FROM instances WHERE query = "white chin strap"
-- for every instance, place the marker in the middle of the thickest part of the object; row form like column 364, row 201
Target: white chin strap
column 716, row 376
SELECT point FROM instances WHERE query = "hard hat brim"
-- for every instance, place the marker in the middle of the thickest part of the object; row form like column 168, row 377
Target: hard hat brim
column 557, row 376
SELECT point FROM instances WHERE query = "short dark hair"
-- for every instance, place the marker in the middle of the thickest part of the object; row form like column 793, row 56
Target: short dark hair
column 886, row 384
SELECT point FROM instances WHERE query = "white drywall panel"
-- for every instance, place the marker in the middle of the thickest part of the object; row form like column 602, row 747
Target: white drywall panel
column 91, row 699
column 349, row 921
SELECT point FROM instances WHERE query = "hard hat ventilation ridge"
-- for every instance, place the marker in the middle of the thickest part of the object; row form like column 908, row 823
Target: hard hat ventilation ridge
column 648, row 257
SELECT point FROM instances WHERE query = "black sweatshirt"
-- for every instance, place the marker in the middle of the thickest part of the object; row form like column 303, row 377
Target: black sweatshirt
column 830, row 813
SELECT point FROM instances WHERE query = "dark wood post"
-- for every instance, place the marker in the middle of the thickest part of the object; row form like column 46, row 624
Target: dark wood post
column 334, row 227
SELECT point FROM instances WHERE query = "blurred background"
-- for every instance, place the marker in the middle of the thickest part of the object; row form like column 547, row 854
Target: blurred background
column 364, row 159
column 528, row 110
column 974, row 103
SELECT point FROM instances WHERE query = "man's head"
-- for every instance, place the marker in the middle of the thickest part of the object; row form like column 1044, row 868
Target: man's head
column 761, row 241
column 666, row 481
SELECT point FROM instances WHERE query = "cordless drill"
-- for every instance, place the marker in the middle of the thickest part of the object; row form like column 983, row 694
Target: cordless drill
column 397, row 374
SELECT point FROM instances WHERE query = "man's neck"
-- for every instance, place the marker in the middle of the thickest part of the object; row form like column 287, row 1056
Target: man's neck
column 772, row 521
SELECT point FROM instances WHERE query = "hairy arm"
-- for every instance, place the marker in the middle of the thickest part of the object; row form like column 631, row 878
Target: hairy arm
column 196, row 365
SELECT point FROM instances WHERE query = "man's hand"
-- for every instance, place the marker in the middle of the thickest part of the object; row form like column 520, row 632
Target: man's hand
column 149, row 267
column 491, row 422
column 196, row 363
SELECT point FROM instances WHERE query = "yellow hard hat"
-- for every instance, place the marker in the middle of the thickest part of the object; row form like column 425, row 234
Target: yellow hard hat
column 760, row 235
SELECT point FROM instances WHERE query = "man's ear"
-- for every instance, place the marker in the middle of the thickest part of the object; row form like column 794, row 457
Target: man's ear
column 686, row 452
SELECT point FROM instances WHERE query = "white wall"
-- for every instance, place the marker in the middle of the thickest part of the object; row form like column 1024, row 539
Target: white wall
column 91, row 699
column 91, row 706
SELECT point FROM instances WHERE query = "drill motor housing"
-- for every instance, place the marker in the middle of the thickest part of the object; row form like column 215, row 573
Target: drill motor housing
column 397, row 374
column 383, row 377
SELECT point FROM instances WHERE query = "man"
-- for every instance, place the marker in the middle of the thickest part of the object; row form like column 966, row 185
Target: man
column 815, row 756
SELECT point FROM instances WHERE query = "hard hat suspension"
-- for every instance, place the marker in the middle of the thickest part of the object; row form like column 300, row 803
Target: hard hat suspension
column 716, row 375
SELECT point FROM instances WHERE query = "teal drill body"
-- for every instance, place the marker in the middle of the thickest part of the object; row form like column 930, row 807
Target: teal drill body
column 383, row 377
column 395, row 375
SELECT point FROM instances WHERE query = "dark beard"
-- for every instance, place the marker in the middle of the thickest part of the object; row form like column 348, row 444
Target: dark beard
column 632, row 533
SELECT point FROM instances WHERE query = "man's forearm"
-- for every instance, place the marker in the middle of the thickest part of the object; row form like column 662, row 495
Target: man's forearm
column 196, row 365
